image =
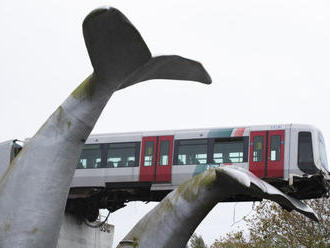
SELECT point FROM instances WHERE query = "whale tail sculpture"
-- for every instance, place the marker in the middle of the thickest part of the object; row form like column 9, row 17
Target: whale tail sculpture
column 118, row 53
column 34, row 188
column 172, row 222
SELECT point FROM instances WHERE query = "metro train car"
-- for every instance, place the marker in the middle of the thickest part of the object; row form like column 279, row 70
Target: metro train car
column 116, row 168
column 147, row 165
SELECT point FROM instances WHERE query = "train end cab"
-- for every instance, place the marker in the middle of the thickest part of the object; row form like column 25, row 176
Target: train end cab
column 292, row 158
column 308, row 172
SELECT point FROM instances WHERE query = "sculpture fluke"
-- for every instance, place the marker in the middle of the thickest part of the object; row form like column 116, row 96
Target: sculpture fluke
column 172, row 222
column 34, row 188
column 130, row 60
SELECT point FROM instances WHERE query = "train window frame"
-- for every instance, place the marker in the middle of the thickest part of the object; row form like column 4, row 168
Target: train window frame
column 128, row 165
column 244, row 140
column 80, row 165
column 164, row 155
column 152, row 155
column 306, row 166
column 277, row 149
column 177, row 144
column 256, row 152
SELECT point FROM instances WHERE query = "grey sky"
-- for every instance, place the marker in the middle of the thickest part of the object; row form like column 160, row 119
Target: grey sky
column 269, row 61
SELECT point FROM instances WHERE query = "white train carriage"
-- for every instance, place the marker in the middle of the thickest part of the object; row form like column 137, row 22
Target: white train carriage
column 116, row 168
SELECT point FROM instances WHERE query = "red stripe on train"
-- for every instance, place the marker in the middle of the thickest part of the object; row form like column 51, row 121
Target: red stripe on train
column 239, row 132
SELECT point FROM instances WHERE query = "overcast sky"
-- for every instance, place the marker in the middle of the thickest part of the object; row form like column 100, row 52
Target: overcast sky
column 269, row 61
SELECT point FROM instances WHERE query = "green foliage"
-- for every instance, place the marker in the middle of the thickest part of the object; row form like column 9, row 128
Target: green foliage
column 232, row 240
column 271, row 226
column 197, row 241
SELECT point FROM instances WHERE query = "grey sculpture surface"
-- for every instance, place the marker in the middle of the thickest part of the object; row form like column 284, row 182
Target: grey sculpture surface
column 34, row 188
column 172, row 222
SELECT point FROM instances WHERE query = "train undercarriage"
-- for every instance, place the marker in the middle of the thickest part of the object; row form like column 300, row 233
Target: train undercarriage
column 86, row 202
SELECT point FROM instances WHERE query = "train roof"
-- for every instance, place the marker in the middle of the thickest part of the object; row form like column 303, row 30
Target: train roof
column 188, row 133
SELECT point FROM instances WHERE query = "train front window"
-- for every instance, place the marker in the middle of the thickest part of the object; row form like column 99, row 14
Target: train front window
column 122, row 155
column 90, row 157
column 191, row 152
column 323, row 154
column 305, row 149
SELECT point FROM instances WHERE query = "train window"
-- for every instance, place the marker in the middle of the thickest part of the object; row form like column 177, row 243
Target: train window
column 305, row 153
column 90, row 157
column 191, row 152
column 164, row 152
column 258, row 149
column 305, row 148
column 148, row 153
column 122, row 155
column 228, row 151
column 275, row 148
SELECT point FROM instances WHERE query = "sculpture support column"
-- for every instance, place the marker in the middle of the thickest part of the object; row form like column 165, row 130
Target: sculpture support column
column 34, row 188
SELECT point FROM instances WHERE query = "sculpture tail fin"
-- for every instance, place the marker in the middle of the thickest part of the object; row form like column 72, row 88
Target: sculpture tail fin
column 119, row 54
column 169, row 67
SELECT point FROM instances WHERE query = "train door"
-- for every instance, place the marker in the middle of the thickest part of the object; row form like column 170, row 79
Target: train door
column 257, row 159
column 275, row 161
column 267, row 153
column 156, row 159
